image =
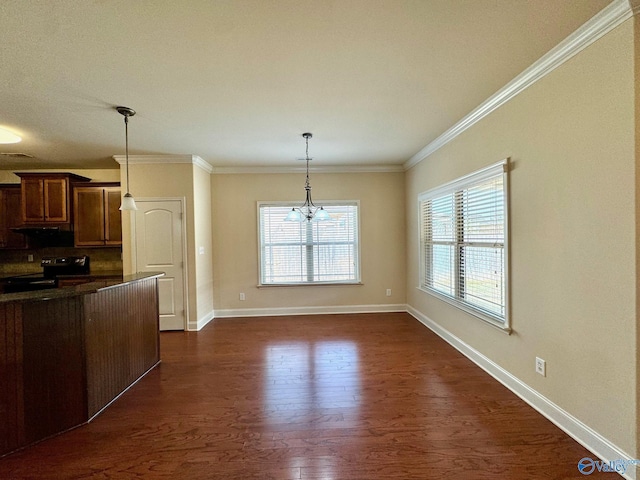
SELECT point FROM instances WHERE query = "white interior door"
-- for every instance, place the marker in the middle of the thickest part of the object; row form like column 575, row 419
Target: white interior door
column 158, row 247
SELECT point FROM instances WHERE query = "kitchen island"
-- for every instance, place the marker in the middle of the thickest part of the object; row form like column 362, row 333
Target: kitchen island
column 67, row 353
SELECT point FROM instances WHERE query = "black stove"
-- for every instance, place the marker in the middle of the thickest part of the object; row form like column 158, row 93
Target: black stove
column 52, row 268
column 55, row 266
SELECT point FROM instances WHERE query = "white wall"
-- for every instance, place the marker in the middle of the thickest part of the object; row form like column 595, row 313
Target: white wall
column 571, row 139
column 161, row 176
column 235, row 241
column 203, row 218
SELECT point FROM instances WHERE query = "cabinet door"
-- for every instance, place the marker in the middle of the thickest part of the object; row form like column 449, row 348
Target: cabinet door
column 55, row 200
column 88, row 204
column 113, row 216
column 33, row 200
column 4, row 228
column 11, row 200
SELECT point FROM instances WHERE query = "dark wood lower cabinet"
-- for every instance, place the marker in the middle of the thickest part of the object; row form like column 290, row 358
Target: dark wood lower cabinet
column 55, row 397
column 62, row 360
column 11, row 397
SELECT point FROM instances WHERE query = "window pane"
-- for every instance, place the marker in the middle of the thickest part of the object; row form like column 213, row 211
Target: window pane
column 443, row 219
column 483, row 212
column 443, row 269
column 334, row 263
column 285, row 263
column 484, row 278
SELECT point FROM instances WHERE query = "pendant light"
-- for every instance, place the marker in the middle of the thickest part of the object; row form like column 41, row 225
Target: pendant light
column 307, row 211
column 128, row 203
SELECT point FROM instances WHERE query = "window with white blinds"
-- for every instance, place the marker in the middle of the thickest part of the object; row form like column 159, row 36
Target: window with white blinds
column 463, row 244
column 315, row 252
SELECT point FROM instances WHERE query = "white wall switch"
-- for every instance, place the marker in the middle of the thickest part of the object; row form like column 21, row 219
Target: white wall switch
column 541, row 367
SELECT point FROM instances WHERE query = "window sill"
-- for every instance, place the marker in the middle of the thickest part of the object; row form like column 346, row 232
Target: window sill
column 308, row 284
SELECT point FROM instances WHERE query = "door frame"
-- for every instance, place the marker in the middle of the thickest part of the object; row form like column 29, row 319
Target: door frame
column 185, row 263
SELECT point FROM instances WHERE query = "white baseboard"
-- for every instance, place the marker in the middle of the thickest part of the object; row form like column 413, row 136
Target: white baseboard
column 581, row 433
column 265, row 312
column 202, row 321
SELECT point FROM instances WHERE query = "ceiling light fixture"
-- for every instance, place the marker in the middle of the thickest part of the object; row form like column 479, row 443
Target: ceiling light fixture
column 128, row 203
column 9, row 137
column 307, row 211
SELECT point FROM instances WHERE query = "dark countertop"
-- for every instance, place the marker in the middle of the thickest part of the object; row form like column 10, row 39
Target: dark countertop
column 97, row 274
column 111, row 281
column 92, row 274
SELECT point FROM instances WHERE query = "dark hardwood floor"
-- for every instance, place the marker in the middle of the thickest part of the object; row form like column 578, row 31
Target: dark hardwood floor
column 331, row 397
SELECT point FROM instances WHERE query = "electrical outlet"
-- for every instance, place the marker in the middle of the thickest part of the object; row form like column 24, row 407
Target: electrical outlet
column 541, row 367
column 30, row 258
column 242, row 297
column 388, row 292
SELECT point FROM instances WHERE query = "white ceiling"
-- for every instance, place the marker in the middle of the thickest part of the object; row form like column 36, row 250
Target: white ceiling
column 237, row 82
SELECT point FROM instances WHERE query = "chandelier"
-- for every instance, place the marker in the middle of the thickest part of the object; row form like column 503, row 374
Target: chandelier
column 307, row 211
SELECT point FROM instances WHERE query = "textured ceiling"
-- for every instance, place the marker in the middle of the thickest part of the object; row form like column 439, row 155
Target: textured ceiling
column 237, row 82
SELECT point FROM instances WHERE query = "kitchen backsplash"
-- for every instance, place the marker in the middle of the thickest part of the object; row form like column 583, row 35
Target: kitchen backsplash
column 16, row 262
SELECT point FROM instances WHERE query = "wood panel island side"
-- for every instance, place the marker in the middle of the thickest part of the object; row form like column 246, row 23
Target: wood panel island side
column 67, row 353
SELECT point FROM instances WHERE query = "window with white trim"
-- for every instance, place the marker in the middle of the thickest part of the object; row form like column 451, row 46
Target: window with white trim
column 315, row 252
column 463, row 243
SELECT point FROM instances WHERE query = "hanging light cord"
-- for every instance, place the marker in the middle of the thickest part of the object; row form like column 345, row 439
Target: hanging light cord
column 126, row 148
column 307, row 185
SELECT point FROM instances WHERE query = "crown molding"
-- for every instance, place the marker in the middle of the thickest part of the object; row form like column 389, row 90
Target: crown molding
column 198, row 161
column 324, row 169
column 599, row 25
column 164, row 159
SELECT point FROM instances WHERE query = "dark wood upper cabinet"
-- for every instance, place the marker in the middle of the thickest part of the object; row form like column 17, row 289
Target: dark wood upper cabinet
column 113, row 216
column 46, row 196
column 10, row 216
column 32, row 199
column 97, row 219
column 56, row 203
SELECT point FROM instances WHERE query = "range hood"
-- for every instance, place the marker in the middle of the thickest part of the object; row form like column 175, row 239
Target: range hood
column 46, row 236
column 35, row 231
